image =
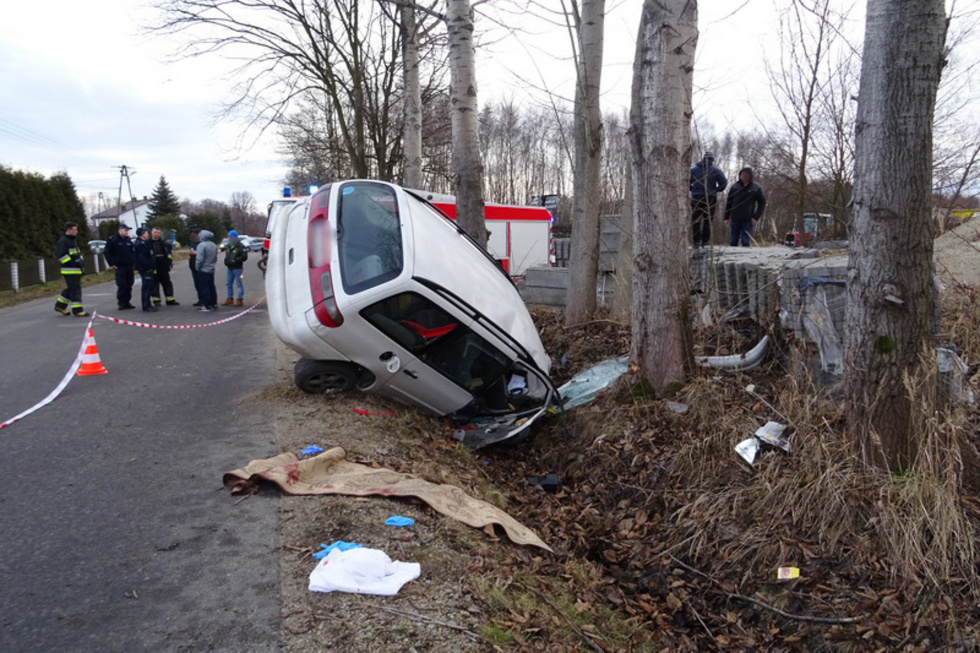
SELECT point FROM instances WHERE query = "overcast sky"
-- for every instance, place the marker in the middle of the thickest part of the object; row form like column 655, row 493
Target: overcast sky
column 82, row 91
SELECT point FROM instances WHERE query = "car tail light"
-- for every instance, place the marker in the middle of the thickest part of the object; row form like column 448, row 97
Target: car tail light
column 319, row 247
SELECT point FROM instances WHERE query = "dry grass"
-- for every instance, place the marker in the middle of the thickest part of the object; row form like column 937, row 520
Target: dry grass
column 661, row 501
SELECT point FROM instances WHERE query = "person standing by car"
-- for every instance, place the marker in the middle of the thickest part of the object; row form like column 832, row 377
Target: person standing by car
column 72, row 267
column 206, row 260
column 145, row 264
column 235, row 257
column 163, row 262
column 707, row 180
column 118, row 254
column 745, row 205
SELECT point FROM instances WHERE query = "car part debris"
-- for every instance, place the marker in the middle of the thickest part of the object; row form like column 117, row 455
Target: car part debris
column 736, row 362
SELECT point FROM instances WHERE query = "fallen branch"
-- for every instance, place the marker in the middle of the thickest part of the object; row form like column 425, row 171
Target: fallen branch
column 762, row 604
column 422, row 617
column 581, row 633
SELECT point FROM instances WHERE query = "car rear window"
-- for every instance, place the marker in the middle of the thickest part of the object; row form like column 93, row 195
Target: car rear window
column 369, row 236
column 438, row 339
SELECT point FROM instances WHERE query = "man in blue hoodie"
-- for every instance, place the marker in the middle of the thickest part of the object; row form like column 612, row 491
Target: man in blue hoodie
column 205, row 261
column 707, row 180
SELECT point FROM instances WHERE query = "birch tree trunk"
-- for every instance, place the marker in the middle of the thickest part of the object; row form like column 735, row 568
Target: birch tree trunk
column 891, row 299
column 412, row 108
column 588, row 150
column 467, row 164
column 660, row 141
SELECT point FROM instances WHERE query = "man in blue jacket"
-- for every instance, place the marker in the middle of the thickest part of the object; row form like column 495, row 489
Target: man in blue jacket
column 744, row 207
column 119, row 256
column 707, row 180
column 145, row 264
column 205, row 261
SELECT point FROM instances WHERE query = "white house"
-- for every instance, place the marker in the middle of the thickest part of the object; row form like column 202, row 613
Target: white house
column 133, row 213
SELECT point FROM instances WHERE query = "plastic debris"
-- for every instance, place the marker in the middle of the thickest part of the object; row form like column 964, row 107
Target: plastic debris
column 678, row 407
column 787, row 573
column 361, row 411
column 339, row 545
column 362, row 571
column 748, row 450
column 587, row 384
column 548, row 482
column 737, row 362
column 311, row 450
column 399, row 521
column 772, row 433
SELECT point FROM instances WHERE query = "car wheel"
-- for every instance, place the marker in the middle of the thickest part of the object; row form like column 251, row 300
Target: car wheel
column 324, row 377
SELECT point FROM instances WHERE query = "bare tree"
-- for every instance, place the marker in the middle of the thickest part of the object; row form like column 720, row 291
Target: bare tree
column 412, row 101
column 891, row 299
column 340, row 53
column 588, row 23
column 467, row 163
column 660, row 139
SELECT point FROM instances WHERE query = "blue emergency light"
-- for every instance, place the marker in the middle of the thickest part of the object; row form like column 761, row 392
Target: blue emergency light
column 286, row 192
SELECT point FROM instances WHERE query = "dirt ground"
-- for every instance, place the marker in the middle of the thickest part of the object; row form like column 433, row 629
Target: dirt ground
column 436, row 612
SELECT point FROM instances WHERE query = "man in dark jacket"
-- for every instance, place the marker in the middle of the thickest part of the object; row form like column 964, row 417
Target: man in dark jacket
column 707, row 180
column 163, row 262
column 146, row 265
column 193, row 238
column 235, row 257
column 744, row 207
column 72, row 266
column 206, row 260
column 119, row 256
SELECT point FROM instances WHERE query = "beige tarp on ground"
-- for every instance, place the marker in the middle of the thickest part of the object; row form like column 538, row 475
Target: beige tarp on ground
column 331, row 473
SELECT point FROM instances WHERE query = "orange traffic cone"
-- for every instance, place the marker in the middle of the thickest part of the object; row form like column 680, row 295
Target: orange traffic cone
column 91, row 363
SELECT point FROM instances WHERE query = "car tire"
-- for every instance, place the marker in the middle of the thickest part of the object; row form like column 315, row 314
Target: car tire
column 324, row 377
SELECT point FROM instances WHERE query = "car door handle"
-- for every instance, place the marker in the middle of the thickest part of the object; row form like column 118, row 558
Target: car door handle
column 412, row 374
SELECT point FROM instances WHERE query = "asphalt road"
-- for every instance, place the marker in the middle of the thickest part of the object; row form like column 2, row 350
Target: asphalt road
column 115, row 531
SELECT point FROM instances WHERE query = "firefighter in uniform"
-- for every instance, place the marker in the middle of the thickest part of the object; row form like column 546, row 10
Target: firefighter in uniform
column 163, row 262
column 72, row 265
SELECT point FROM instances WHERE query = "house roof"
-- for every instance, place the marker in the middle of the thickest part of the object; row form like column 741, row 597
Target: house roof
column 114, row 212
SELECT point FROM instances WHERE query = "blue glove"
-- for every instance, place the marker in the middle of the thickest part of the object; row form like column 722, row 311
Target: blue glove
column 311, row 450
column 339, row 544
column 399, row 521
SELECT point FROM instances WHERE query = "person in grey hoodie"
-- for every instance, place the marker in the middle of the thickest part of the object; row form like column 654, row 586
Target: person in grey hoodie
column 205, row 261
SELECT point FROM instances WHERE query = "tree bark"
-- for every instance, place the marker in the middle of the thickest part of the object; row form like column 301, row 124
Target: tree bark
column 588, row 161
column 467, row 162
column 660, row 141
column 412, row 107
column 891, row 298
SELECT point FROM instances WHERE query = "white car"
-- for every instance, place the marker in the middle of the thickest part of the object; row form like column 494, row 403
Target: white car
column 379, row 291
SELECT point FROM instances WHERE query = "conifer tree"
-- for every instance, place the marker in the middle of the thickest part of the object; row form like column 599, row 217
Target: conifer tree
column 163, row 202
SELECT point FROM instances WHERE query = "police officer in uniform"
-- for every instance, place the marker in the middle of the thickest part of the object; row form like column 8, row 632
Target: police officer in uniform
column 144, row 262
column 119, row 255
column 163, row 262
column 72, row 266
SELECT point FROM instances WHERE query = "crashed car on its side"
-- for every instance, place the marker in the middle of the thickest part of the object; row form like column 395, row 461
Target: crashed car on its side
column 379, row 291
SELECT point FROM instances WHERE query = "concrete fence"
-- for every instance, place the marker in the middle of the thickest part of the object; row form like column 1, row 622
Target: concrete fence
column 17, row 274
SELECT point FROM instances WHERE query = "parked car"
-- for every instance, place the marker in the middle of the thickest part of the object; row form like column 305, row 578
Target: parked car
column 380, row 292
column 96, row 246
column 223, row 244
column 251, row 243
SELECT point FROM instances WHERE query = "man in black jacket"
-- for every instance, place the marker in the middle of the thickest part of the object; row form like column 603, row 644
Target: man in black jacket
column 163, row 262
column 744, row 207
column 146, row 266
column 119, row 256
column 72, row 266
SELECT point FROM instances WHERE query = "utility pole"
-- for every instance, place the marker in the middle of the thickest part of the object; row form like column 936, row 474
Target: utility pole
column 124, row 173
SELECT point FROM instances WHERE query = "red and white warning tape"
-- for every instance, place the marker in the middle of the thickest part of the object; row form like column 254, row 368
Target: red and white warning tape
column 61, row 386
column 81, row 353
column 147, row 325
